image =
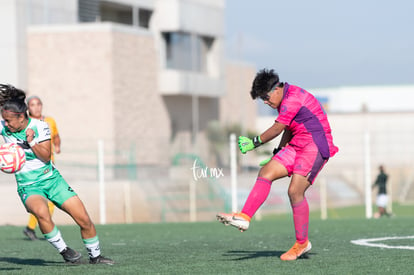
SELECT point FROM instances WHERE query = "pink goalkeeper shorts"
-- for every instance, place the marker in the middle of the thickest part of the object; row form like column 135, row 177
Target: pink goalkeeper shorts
column 306, row 161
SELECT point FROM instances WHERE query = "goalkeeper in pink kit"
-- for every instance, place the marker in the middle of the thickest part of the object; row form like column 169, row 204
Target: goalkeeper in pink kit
column 305, row 147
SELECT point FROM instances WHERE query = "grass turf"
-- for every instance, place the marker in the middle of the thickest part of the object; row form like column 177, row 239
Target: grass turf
column 208, row 248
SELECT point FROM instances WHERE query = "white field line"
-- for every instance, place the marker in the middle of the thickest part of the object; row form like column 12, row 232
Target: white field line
column 369, row 242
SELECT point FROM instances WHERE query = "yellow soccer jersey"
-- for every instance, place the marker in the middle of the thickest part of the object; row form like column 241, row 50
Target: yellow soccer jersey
column 53, row 133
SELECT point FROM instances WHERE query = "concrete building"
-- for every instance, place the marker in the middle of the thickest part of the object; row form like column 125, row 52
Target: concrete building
column 139, row 71
column 352, row 99
column 16, row 16
column 145, row 76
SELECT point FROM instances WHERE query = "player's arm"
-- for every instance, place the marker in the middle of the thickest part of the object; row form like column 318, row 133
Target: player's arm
column 247, row 144
column 56, row 143
column 42, row 150
column 276, row 129
column 286, row 137
column 55, row 134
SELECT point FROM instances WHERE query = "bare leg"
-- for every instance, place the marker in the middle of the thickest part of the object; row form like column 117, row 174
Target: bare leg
column 273, row 170
column 76, row 209
column 297, row 188
column 37, row 205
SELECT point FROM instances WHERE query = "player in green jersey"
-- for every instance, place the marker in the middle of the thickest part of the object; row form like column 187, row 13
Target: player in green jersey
column 39, row 181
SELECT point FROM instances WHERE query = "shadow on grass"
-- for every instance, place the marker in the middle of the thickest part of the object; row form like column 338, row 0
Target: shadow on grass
column 38, row 262
column 29, row 240
column 9, row 269
column 240, row 255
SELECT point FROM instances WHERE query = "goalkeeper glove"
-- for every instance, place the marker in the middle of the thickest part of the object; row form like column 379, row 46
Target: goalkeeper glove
column 264, row 162
column 275, row 151
column 247, row 144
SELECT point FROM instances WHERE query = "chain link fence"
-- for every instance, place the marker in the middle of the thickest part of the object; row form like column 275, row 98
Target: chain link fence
column 192, row 181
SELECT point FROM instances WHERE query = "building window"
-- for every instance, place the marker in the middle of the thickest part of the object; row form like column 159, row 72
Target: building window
column 144, row 17
column 114, row 12
column 108, row 11
column 187, row 52
column 88, row 10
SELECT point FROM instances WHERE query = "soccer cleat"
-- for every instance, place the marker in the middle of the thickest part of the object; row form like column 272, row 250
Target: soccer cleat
column 101, row 260
column 239, row 220
column 30, row 233
column 70, row 255
column 296, row 251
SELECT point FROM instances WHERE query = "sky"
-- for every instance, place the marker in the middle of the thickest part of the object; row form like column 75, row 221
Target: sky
column 324, row 43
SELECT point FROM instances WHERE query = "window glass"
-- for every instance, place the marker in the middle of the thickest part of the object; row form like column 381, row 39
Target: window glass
column 187, row 52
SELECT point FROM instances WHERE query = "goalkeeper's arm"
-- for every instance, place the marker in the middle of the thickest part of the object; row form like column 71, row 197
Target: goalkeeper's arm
column 274, row 130
column 247, row 144
column 286, row 137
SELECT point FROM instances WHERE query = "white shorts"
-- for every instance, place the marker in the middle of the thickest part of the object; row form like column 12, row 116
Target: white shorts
column 382, row 200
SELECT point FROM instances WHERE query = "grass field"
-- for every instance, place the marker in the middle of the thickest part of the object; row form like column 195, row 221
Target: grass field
column 212, row 248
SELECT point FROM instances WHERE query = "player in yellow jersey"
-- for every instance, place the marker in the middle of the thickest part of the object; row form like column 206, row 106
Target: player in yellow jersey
column 35, row 107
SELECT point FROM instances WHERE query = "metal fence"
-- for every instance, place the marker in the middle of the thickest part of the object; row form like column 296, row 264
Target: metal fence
column 195, row 184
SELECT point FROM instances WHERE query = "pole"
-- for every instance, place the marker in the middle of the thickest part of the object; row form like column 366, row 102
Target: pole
column 324, row 198
column 195, row 119
column 233, row 172
column 193, row 201
column 194, row 97
column 101, row 176
column 367, row 166
column 127, row 202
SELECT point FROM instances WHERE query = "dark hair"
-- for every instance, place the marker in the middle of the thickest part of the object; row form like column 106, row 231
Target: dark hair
column 13, row 99
column 263, row 82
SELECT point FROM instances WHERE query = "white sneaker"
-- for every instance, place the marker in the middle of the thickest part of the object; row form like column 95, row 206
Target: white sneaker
column 239, row 220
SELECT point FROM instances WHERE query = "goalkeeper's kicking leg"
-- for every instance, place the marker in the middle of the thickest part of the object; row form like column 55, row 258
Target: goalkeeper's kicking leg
column 261, row 189
column 299, row 184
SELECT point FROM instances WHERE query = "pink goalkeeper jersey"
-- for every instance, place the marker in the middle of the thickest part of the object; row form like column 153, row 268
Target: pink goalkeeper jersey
column 305, row 117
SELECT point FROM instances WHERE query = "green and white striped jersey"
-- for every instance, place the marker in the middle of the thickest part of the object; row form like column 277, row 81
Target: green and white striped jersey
column 34, row 170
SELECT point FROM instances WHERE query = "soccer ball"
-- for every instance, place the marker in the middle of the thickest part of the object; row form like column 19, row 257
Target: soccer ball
column 12, row 158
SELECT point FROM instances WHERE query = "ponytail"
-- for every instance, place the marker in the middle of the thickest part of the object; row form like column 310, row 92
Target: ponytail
column 12, row 99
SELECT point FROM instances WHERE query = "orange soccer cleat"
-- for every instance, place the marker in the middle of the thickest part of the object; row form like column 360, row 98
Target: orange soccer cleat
column 296, row 251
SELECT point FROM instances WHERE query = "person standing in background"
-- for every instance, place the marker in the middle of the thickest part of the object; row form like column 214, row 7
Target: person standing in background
column 382, row 197
column 35, row 108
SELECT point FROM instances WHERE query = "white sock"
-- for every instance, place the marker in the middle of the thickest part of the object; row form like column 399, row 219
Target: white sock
column 92, row 246
column 55, row 239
